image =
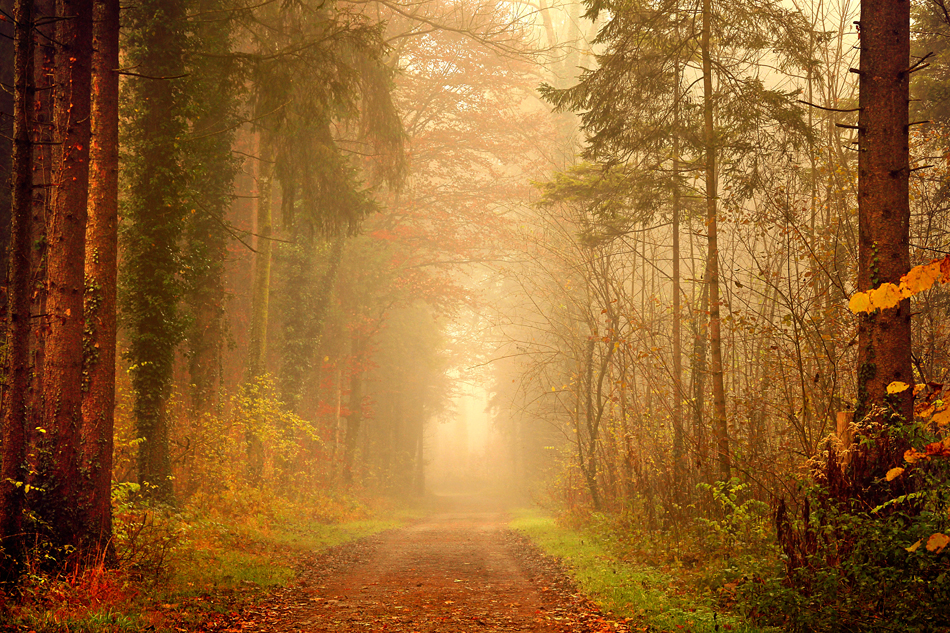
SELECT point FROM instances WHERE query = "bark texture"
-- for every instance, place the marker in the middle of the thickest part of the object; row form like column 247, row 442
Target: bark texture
column 66, row 239
column 15, row 400
column 98, row 405
column 884, row 338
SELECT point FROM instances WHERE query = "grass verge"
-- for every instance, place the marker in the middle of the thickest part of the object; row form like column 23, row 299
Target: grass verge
column 191, row 568
column 653, row 599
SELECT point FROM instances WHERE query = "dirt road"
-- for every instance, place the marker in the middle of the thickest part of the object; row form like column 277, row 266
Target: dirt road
column 460, row 569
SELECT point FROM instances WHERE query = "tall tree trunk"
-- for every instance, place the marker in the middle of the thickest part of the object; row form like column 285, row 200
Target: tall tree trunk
column 884, row 338
column 17, row 369
column 256, row 365
column 305, row 314
column 212, row 171
column 152, row 261
column 66, row 238
column 7, row 99
column 44, row 140
column 679, row 455
column 355, row 416
column 588, row 453
column 698, row 380
column 720, row 423
column 257, row 345
column 98, row 405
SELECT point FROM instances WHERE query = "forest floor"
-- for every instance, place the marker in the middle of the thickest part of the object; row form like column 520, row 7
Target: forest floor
column 458, row 569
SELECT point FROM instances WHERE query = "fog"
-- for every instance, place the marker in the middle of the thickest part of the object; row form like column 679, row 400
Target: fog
column 464, row 448
column 314, row 258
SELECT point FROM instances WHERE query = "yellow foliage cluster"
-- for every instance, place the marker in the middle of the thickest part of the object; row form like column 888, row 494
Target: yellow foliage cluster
column 888, row 295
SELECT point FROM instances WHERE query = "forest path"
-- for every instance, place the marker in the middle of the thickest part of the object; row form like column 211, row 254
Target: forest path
column 459, row 569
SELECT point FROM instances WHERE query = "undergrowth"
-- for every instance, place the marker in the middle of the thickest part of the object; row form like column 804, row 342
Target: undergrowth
column 177, row 567
column 685, row 579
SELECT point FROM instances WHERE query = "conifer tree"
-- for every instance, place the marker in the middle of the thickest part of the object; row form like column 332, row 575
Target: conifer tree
column 59, row 448
column 884, row 338
column 643, row 95
column 16, row 372
column 99, row 306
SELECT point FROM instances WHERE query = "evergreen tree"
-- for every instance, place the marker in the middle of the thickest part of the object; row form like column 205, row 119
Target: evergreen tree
column 319, row 84
column 884, row 338
column 641, row 107
column 99, row 305
column 59, row 447
column 16, row 369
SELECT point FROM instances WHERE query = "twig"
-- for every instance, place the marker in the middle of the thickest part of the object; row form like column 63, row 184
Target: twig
column 815, row 105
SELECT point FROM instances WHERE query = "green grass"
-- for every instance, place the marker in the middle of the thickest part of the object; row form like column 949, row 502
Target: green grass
column 304, row 536
column 255, row 553
column 99, row 622
column 211, row 563
column 643, row 593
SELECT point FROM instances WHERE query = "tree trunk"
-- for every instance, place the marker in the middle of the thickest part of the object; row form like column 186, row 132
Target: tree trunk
column 98, row 405
column 17, row 369
column 8, row 80
column 260, row 300
column 698, row 378
column 156, row 215
column 679, row 454
column 257, row 346
column 44, row 142
column 66, row 239
column 355, row 415
column 720, row 424
column 884, row 338
column 588, row 453
column 212, row 171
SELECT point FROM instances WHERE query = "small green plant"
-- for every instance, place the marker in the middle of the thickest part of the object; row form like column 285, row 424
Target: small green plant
column 851, row 565
column 628, row 589
column 742, row 526
column 144, row 533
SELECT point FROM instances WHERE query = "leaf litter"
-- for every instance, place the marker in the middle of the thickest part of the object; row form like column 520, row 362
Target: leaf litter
column 451, row 572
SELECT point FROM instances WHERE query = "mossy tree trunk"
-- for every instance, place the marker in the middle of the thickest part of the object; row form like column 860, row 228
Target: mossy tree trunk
column 156, row 215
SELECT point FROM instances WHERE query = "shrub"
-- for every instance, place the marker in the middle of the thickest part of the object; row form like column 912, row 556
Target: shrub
column 851, row 565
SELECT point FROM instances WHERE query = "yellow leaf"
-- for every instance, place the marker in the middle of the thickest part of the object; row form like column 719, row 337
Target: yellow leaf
column 860, row 302
column 912, row 456
column 937, row 542
column 897, row 387
column 885, row 296
column 941, row 418
column 894, row 473
column 913, row 548
column 920, row 278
